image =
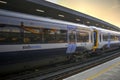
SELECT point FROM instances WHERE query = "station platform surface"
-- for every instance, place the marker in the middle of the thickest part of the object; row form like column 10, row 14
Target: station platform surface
column 107, row 71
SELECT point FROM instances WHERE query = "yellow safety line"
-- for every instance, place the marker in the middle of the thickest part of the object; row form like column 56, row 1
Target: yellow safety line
column 103, row 71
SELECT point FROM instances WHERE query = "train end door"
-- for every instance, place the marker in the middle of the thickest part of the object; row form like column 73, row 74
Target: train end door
column 95, row 40
column 71, row 38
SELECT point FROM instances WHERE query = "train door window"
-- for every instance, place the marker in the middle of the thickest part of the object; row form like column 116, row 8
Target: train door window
column 119, row 37
column 105, row 37
column 95, row 38
column 91, row 37
column 78, row 37
column 114, row 38
column 111, row 38
column 85, row 36
column 100, row 36
column 71, row 36
column 32, row 35
column 10, row 34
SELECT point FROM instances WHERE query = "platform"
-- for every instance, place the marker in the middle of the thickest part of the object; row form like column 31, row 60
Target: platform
column 106, row 71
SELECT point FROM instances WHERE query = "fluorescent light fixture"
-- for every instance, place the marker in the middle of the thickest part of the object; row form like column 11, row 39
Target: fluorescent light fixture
column 77, row 19
column 88, row 22
column 60, row 15
column 103, row 26
column 39, row 10
column 3, row 2
column 52, row 1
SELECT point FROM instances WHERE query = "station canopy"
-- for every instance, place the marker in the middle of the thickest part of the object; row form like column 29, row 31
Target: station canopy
column 50, row 10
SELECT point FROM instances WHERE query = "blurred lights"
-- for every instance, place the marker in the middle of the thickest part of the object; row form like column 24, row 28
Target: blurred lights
column 39, row 10
column 88, row 22
column 96, row 24
column 77, row 19
column 3, row 2
column 61, row 15
column 103, row 26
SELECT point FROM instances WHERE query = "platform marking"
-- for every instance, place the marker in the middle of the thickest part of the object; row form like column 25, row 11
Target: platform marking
column 102, row 71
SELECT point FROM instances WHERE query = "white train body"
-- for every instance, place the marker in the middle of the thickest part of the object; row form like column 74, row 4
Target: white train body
column 12, row 18
column 33, row 40
column 108, row 37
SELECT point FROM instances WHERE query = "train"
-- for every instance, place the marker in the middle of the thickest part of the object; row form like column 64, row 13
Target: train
column 29, row 41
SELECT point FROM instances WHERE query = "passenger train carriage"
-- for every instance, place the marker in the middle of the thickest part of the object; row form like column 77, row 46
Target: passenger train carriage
column 107, row 39
column 27, row 41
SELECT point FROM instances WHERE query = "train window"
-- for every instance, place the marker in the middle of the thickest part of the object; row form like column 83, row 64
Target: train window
column 49, row 36
column 105, row 37
column 100, row 37
column 71, row 36
column 95, row 38
column 32, row 35
column 10, row 34
column 91, row 35
column 82, row 36
column 114, row 38
column 55, row 36
column 62, row 36
column 118, row 38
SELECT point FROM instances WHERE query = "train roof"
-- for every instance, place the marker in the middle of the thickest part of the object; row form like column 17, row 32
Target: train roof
column 38, row 18
column 50, row 10
column 105, row 30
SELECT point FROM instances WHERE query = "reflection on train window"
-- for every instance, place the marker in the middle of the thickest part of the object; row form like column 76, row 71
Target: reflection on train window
column 105, row 37
column 62, row 36
column 100, row 37
column 32, row 35
column 72, row 36
column 112, row 37
column 9, row 34
column 119, row 37
column 82, row 36
column 116, row 38
column 55, row 36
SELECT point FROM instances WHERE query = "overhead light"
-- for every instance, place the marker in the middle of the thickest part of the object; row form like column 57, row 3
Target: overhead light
column 96, row 24
column 60, row 15
column 3, row 2
column 88, row 22
column 77, row 19
column 39, row 10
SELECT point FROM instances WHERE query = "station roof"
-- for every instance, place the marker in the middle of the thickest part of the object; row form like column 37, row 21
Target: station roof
column 50, row 10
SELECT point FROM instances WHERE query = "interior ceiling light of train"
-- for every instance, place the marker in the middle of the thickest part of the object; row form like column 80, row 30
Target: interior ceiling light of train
column 26, row 6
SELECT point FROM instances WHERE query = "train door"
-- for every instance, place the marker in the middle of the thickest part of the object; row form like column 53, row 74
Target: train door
column 71, row 38
column 95, row 40
column 109, row 41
